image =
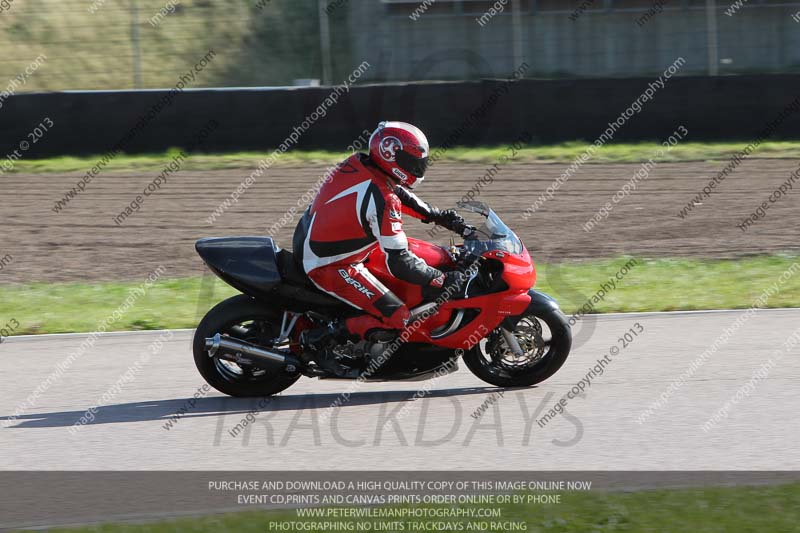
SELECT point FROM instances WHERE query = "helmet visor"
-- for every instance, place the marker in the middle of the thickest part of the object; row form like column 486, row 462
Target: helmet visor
column 415, row 166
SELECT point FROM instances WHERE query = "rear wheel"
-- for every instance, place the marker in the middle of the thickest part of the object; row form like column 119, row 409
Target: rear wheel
column 545, row 338
column 242, row 318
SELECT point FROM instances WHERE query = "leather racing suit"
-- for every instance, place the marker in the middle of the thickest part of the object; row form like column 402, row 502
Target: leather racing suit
column 358, row 209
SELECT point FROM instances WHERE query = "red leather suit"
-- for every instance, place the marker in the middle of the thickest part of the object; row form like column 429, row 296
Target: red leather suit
column 357, row 210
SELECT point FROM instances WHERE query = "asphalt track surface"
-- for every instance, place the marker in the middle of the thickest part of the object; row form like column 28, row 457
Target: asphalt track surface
column 373, row 432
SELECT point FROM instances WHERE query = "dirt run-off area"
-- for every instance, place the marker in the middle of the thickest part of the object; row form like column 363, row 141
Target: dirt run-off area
column 82, row 243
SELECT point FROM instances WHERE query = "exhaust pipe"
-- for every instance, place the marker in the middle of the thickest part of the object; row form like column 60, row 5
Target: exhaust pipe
column 249, row 354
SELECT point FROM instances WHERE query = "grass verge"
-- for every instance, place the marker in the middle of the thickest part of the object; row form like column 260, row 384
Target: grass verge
column 557, row 153
column 741, row 509
column 648, row 285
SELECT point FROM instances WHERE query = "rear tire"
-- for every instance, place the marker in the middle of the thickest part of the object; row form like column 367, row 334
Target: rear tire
column 222, row 375
column 495, row 371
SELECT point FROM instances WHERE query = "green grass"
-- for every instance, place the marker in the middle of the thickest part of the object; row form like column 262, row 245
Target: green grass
column 96, row 50
column 73, row 307
column 740, row 509
column 557, row 153
column 650, row 285
column 673, row 284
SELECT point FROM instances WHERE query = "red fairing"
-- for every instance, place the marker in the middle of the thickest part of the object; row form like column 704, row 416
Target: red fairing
column 434, row 255
column 493, row 309
column 518, row 273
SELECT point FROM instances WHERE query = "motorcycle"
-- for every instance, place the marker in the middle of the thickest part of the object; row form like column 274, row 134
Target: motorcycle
column 507, row 334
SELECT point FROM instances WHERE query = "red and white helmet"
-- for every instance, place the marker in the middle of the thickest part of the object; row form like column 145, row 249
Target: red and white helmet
column 401, row 150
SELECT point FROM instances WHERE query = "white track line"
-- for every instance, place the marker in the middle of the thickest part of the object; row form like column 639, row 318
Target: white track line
column 83, row 334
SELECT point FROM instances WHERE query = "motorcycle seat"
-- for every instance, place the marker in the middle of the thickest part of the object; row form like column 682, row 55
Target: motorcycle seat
column 291, row 272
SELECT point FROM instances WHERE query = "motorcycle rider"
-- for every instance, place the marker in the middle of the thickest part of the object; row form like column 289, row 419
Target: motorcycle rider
column 358, row 209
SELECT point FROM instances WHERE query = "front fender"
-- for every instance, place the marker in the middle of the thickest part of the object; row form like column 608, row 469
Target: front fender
column 541, row 304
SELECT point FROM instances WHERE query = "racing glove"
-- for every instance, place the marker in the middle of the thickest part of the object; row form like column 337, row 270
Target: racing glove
column 449, row 219
column 450, row 282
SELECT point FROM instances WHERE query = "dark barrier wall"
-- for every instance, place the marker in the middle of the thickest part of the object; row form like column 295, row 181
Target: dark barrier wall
column 463, row 113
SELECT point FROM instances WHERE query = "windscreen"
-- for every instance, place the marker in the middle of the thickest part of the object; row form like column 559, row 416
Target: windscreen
column 493, row 235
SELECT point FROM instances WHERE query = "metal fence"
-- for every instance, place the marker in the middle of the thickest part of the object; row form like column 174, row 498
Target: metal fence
column 128, row 44
column 583, row 38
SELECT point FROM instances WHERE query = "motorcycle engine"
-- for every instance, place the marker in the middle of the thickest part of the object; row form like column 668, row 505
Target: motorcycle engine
column 357, row 355
column 351, row 354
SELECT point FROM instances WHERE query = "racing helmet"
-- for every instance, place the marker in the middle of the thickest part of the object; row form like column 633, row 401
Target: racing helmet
column 401, row 150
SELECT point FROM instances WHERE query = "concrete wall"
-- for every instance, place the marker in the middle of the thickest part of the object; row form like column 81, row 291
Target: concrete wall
column 451, row 113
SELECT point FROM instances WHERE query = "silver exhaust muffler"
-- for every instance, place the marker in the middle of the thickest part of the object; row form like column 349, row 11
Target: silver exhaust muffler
column 241, row 352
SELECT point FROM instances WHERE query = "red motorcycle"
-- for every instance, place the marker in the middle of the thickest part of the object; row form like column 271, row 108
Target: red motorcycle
column 508, row 334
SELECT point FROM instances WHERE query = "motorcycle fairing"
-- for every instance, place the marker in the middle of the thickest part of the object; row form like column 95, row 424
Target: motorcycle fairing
column 248, row 264
column 518, row 274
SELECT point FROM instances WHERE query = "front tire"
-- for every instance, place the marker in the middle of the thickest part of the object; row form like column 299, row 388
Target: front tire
column 242, row 318
column 545, row 350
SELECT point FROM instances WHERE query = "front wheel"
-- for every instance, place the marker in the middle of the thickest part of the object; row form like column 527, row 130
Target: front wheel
column 242, row 318
column 545, row 337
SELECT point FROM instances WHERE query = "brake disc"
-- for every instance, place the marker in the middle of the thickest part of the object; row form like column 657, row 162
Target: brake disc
column 529, row 335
